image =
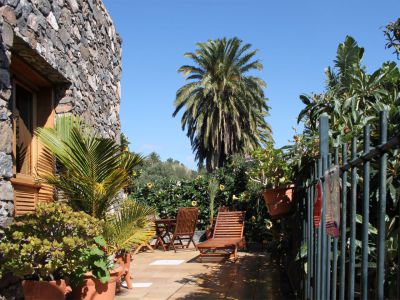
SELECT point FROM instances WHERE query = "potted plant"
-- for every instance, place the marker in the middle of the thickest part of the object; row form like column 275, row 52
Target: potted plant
column 46, row 249
column 272, row 171
column 97, row 278
column 130, row 226
column 92, row 173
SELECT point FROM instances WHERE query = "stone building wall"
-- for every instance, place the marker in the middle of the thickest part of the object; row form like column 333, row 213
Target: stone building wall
column 73, row 43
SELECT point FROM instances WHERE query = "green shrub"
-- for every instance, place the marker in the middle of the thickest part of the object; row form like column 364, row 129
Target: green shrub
column 49, row 243
column 234, row 190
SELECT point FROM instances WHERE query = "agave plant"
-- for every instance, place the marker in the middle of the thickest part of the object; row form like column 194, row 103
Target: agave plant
column 92, row 170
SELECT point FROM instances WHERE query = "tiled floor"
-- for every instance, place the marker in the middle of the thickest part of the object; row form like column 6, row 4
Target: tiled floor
column 251, row 277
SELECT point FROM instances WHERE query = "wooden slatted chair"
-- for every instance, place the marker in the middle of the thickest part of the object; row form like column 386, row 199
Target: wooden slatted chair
column 185, row 227
column 227, row 237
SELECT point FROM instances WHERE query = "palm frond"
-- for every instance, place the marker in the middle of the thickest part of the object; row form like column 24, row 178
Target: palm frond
column 131, row 225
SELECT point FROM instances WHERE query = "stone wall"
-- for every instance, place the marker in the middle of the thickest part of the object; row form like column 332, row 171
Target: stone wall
column 72, row 43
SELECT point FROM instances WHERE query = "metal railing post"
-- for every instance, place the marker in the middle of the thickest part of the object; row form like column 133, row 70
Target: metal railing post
column 318, row 284
column 328, row 245
column 324, row 149
column 353, row 208
column 382, row 207
column 343, row 225
column 309, row 242
column 335, row 245
column 365, row 217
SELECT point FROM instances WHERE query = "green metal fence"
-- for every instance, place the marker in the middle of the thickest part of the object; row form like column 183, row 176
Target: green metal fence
column 331, row 261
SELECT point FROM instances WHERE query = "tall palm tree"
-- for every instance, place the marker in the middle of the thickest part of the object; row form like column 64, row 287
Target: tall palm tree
column 224, row 107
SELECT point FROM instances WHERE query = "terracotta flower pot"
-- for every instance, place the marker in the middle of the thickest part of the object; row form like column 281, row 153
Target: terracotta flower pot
column 45, row 290
column 278, row 201
column 93, row 289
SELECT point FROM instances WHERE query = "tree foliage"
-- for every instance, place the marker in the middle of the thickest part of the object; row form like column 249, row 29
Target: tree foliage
column 153, row 169
column 392, row 33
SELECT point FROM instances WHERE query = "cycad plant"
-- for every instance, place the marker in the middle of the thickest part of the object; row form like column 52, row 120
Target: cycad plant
column 131, row 225
column 224, row 107
column 92, row 171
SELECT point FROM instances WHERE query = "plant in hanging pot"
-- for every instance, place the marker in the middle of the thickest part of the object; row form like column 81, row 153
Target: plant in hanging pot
column 45, row 248
column 271, row 170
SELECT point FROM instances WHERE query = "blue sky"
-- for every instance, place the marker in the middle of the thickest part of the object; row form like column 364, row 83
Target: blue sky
column 296, row 41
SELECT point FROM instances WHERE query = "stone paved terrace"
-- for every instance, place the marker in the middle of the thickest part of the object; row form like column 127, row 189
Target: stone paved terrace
column 253, row 276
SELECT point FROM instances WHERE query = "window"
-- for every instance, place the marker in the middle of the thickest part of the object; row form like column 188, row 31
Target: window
column 23, row 114
column 32, row 107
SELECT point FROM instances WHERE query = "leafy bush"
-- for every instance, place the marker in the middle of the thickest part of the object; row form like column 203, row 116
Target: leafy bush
column 49, row 243
column 233, row 189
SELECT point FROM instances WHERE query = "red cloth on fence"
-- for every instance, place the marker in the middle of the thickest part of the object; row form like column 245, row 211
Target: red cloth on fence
column 318, row 204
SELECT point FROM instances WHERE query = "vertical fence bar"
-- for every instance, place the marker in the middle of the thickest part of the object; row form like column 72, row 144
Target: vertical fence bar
column 314, row 233
column 304, row 234
column 382, row 207
column 318, row 250
column 353, row 207
column 309, row 242
column 343, row 225
column 324, row 149
column 328, row 247
column 365, row 217
column 335, row 244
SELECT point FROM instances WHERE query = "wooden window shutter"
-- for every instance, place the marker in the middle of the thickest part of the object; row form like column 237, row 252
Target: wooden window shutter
column 45, row 161
column 25, row 196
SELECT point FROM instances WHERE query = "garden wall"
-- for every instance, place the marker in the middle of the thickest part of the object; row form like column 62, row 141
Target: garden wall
column 73, row 45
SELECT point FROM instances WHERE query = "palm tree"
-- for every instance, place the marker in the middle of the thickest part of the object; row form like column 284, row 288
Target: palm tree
column 92, row 171
column 224, row 107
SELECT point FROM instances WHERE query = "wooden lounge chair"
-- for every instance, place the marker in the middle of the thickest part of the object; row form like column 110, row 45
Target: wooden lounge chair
column 227, row 237
column 185, row 227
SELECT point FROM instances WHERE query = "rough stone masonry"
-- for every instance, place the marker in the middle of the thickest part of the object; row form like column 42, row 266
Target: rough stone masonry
column 72, row 43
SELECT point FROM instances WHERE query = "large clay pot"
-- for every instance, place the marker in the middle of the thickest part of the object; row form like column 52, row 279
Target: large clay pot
column 93, row 289
column 45, row 290
column 278, row 201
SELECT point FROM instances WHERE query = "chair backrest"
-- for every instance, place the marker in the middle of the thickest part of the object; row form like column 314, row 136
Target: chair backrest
column 229, row 224
column 186, row 221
